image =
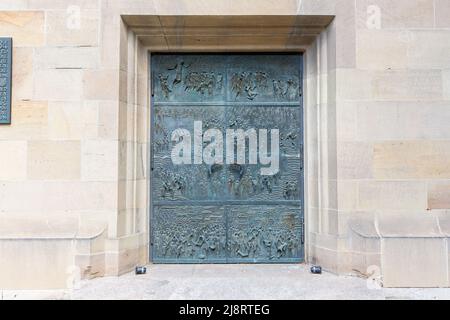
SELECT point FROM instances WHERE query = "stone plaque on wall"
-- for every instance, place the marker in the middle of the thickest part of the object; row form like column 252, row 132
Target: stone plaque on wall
column 5, row 80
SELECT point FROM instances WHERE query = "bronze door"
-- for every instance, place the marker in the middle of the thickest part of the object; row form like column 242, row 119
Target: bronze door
column 225, row 212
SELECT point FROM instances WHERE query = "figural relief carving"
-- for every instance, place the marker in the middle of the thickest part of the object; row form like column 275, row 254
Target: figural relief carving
column 263, row 233
column 201, row 82
column 286, row 89
column 254, row 233
column 225, row 212
column 249, row 84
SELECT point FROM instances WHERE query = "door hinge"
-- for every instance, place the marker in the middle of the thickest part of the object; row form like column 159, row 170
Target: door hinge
column 303, row 230
column 152, row 84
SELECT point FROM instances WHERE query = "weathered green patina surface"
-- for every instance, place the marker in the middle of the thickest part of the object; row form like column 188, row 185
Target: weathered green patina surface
column 227, row 213
column 5, row 80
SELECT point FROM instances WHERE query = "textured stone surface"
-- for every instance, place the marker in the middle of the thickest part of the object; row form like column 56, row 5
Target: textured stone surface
column 446, row 83
column 439, row 195
column 54, row 160
column 418, row 226
column 66, row 58
column 26, row 27
column 99, row 161
column 403, row 262
column 13, row 164
column 386, row 196
column 30, row 121
column 43, row 264
column 355, row 160
column 380, row 50
column 412, row 160
column 429, row 49
column 23, row 73
column 415, row 120
column 410, row 85
column 442, row 13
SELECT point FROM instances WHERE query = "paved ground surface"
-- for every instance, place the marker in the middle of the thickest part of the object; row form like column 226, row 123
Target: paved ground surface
column 229, row 282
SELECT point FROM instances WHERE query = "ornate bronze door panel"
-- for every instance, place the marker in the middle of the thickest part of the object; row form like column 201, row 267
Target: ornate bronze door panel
column 227, row 213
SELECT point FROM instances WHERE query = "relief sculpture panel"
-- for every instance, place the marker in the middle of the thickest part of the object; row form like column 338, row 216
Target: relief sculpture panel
column 187, row 78
column 264, row 233
column 184, row 182
column 189, row 233
column 232, row 78
column 235, row 234
column 227, row 212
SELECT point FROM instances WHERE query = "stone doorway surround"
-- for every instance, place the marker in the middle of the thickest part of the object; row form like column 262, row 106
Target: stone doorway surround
column 144, row 34
column 369, row 243
column 341, row 238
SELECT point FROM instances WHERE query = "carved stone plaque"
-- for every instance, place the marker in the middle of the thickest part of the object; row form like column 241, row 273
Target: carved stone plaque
column 5, row 80
column 226, row 212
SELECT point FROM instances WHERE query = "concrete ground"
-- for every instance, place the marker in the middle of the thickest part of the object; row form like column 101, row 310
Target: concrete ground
column 229, row 282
